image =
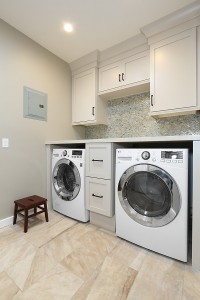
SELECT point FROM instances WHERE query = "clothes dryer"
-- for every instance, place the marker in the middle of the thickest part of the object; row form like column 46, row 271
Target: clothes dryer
column 152, row 199
column 68, row 183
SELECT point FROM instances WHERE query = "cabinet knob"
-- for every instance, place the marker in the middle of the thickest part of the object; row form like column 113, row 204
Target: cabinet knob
column 122, row 76
column 119, row 77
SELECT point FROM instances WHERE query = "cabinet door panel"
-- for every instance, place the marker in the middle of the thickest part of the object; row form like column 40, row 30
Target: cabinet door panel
column 109, row 77
column 136, row 68
column 83, row 96
column 173, row 81
column 98, row 158
column 98, row 195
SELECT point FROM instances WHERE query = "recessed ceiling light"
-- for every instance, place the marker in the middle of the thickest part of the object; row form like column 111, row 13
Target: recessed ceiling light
column 68, row 27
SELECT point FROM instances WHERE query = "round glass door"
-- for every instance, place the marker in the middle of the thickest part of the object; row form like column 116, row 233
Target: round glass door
column 149, row 195
column 66, row 180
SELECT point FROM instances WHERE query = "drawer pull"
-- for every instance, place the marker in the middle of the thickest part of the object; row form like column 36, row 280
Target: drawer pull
column 97, row 196
column 97, row 160
column 151, row 100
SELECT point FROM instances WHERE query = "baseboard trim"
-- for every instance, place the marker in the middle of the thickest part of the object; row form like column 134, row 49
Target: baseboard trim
column 6, row 222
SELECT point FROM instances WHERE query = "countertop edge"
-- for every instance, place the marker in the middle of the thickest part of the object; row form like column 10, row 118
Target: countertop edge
column 128, row 140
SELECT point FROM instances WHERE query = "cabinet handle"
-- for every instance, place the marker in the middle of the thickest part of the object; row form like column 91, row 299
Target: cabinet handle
column 122, row 76
column 151, row 100
column 97, row 160
column 93, row 110
column 119, row 77
column 93, row 195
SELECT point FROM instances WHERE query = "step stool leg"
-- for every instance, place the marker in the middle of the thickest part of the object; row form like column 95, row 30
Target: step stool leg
column 15, row 214
column 46, row 212
column 25, row 220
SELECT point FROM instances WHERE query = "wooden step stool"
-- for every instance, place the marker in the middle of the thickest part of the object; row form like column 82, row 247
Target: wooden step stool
column 32, row 202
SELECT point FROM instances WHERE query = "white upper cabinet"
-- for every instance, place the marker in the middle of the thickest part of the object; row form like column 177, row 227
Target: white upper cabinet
column 87, row 107
column 109, row 76
column 131, row 71
column 173, row 73
column 135, row 69
column 83, row 97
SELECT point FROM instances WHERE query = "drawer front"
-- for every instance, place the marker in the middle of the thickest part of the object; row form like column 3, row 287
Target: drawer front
column 98, row 160
column 99, row 196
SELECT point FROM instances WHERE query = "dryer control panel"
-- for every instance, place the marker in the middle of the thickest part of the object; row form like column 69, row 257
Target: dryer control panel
column 154, row 156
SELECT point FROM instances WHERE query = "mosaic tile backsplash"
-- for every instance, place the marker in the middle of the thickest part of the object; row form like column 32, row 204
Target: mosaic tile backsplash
column 129, row 117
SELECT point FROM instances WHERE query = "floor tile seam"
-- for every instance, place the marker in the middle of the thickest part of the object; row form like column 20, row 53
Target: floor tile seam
column 93, row 276
column 8, row 246
column 48, row 225
column 12, row 281
column 131, row 284
column 29, row 274
column 140, row 271
column 97, row 269
column 116, row 245
column 54, row 237
column 45, row 276
column 124, row 264
column 38, row 279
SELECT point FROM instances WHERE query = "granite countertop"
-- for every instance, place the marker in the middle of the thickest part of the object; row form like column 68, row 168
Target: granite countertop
column 129, row 140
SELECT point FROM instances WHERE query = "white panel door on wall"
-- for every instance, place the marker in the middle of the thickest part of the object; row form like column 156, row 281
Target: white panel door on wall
column 136, row 68
column 173, row 72
column 110, row 76
column 83, row 99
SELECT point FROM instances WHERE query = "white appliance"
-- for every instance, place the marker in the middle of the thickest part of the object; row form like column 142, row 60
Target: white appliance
column 68, row 183
column 152, row 199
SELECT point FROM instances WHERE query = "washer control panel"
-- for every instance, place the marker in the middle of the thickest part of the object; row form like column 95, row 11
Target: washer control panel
column 69, row 153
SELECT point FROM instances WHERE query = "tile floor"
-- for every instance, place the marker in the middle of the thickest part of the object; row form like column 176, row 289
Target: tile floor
column 65, row 259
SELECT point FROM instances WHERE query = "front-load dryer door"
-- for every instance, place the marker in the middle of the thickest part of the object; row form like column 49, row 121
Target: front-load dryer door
column 66, row 179
column 149, row 195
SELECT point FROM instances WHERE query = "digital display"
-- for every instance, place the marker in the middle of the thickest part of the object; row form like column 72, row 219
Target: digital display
column 172, row 154
column 76, row 152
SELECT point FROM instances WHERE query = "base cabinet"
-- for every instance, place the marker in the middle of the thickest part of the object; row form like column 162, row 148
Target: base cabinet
column 100, row 178
column 98, row 196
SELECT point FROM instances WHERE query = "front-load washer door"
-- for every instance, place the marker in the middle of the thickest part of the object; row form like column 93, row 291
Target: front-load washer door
column 149, row 195
column 66, row 179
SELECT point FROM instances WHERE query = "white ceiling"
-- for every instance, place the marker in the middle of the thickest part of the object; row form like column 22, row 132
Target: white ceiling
column 99, row 24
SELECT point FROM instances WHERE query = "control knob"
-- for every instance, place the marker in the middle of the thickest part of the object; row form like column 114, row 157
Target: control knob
column 64, row 152
column 145, row 155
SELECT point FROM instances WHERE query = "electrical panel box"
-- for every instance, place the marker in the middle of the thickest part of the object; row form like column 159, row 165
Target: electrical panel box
column 35, row 104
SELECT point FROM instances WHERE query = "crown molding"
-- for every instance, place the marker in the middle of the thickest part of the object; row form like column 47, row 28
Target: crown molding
column 174, row 19
column 85, row 62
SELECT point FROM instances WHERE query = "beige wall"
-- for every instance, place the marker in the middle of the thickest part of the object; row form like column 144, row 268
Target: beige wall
column 23, row 164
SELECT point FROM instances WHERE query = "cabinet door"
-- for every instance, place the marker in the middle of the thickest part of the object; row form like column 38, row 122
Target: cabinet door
column 136, row 68
column 98, row 196
column 98, row 160
column 173, row 72
column 110, row 77
column 83, row 97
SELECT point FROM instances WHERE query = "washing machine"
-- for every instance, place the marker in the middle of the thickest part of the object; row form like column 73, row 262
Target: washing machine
column 152, row 199
column 68, row 183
